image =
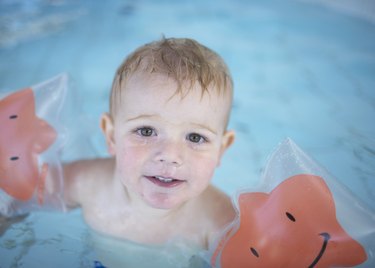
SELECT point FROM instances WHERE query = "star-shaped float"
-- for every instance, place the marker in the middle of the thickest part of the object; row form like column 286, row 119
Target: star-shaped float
column 295, row 225
column 23, row 137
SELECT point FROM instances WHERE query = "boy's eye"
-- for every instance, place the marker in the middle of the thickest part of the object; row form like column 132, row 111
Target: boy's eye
column 196, row 138
column 146, row 131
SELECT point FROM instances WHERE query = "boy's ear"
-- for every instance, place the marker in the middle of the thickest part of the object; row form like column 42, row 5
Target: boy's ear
column 107, row 126
column 228, row 139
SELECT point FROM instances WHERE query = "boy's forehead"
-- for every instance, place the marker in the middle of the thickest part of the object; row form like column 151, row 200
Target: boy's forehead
column 156, row 94
column 157, row 82
column 158, row 86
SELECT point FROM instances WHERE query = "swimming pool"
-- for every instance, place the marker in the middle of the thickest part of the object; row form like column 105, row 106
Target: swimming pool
column 301, row 69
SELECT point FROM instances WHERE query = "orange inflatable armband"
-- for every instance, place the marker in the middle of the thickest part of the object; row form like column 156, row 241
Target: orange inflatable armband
column 297, row 220
column 29, row 143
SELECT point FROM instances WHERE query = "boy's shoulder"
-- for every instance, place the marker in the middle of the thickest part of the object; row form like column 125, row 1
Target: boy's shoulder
column 218, row 211
column 83, row 178
column 220, row 206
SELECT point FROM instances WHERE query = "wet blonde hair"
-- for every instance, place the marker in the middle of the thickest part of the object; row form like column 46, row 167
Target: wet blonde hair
column 182, row 59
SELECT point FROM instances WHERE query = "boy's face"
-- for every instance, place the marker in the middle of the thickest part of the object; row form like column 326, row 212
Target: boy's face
column 167, row 147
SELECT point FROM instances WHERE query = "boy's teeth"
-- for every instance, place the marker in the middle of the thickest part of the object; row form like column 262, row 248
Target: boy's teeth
column 163, row 179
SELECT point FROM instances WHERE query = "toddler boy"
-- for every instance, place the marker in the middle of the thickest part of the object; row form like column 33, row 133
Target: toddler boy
column 167, row 131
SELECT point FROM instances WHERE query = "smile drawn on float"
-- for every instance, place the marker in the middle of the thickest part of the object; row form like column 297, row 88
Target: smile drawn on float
column 326, row 237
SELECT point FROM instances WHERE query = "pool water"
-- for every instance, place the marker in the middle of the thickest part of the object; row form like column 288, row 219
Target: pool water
column 302, row 69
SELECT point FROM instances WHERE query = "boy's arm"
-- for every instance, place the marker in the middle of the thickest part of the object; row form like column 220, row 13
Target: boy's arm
column 73, row 176
column 83, row 177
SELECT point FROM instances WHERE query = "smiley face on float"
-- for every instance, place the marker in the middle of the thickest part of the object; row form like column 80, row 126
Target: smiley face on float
column 295, row 225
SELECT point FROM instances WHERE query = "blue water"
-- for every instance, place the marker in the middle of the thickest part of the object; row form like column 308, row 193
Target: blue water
column 301, row 69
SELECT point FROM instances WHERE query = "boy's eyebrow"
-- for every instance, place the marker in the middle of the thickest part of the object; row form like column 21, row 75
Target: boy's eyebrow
column 205, row 127
column 140, row 117
column 152, row 115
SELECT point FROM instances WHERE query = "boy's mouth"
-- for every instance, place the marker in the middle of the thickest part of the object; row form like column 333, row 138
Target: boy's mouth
column 164, row 181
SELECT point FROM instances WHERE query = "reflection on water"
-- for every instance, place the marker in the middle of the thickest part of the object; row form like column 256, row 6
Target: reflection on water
column 41, row 240
column 25, row 22
column 119, row 253
column 37, row 240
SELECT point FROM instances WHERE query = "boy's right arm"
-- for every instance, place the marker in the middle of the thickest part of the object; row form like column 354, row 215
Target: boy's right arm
column 82, row 178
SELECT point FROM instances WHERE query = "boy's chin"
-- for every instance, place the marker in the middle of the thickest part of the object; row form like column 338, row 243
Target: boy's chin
column 162, row 201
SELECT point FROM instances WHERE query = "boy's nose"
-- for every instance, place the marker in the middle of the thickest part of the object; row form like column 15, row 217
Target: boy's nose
column 169, row 153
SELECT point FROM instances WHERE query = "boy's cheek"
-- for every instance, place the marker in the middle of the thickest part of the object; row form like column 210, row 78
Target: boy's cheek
column 130, row 156
column 205, row 167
